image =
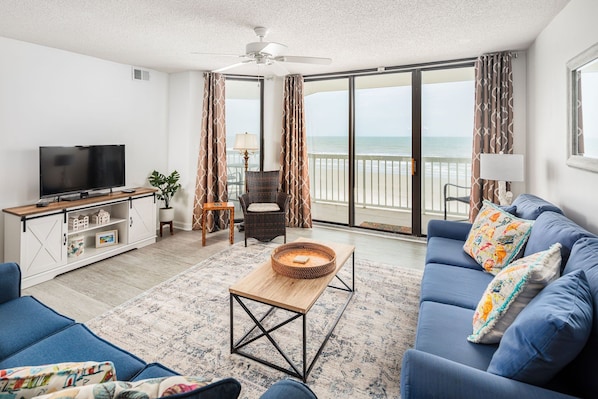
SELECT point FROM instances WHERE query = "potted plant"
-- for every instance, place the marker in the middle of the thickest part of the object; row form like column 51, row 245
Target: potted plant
column 167, row 186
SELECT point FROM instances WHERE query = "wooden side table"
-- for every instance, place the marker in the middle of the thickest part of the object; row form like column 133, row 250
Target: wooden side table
column 162, row 224
column 218, row 206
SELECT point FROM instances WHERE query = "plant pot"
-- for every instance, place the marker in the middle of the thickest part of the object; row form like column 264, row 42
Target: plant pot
column 166, row 214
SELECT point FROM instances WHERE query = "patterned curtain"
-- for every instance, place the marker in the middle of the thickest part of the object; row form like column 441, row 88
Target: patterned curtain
column 493, row 122
column 295, row 176
column 210, row 184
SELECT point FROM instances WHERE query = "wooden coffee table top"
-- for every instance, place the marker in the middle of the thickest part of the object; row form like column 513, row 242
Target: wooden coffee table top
column 265, row 285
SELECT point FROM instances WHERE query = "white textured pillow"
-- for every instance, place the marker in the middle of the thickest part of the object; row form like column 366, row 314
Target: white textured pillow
column 263, row 207
column 510, row 290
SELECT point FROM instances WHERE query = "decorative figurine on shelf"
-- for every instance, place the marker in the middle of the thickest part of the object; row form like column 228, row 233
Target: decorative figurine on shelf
column 78, row 222
column 101, row 217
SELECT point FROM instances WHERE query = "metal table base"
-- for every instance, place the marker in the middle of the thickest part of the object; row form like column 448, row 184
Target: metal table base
column 301, row 371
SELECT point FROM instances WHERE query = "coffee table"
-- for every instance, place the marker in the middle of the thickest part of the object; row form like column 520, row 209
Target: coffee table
column 297, row 296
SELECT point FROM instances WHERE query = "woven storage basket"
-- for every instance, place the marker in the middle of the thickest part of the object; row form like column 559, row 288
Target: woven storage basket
column 321, row 260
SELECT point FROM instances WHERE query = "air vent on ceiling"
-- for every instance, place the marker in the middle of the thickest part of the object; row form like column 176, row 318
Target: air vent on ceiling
column 140, row 74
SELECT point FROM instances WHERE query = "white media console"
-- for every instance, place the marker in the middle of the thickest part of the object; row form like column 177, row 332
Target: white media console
column 38, row 238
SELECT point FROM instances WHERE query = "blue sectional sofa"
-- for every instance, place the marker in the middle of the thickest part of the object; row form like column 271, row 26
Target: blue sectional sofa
column 32, row 334
column 444, row 364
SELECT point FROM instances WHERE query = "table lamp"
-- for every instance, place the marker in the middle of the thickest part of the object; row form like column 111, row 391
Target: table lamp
column 502, row 168
column 246, row 143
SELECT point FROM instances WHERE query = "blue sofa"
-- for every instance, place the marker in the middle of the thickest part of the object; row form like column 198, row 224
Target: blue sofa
column 32, row 334
column 443, row 363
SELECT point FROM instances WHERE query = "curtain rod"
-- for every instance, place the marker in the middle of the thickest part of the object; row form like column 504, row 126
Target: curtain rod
column 382, row 70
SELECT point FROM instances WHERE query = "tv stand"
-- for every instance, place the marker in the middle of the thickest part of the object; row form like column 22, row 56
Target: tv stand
column 44, row 243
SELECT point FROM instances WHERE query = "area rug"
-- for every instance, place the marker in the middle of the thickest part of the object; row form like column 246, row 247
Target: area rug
column 184, row 323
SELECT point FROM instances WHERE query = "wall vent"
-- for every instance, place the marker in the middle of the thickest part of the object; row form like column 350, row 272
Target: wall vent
column 140, row 74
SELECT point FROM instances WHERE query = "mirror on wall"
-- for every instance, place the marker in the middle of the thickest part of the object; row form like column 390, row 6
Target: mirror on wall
column 583, row 105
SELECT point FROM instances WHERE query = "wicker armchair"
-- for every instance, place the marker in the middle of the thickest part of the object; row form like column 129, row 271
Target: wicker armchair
column 264, row 206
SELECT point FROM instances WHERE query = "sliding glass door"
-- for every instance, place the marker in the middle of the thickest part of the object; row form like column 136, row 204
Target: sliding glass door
column 383, row 137
column 384, row 147
column 447, row 134
column 327, row 126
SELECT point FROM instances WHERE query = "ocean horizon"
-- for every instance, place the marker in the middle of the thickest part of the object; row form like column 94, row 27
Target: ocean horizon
column 453, row 147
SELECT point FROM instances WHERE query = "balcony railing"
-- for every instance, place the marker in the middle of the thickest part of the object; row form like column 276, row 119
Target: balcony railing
column 384, row 181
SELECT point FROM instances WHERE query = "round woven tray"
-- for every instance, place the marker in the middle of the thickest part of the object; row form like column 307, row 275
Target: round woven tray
column 321, row 260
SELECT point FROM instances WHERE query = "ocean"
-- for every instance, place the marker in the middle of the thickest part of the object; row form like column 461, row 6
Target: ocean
column 454, row 147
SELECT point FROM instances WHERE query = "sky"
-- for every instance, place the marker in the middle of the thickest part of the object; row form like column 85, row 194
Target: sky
column 447, row 111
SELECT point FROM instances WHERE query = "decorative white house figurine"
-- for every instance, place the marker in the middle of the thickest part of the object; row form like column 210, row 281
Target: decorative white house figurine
column 78, row 222
column 101, row 217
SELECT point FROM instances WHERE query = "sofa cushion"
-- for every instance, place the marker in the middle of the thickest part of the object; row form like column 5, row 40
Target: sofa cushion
column 551, row 227
column 25, row 321
column 510, row 291
column 449, row 251
column 548, row 334
column 496, row 237
column 76, row 344
column 442, row 330
column 30, row 381
column 453, row 285
column 154, row 370
column 580, row 375
column 528, row 206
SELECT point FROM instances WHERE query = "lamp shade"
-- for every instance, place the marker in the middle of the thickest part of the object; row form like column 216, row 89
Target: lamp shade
column 246, row 142
column 502, row 167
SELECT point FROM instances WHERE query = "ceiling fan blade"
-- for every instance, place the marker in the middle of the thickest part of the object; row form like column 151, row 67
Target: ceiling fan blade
column 271, row 48
column 304, row 60
column 226, row 68
column 278, row 69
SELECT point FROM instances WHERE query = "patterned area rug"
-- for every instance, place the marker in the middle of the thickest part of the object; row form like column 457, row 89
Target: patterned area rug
column 184, row 323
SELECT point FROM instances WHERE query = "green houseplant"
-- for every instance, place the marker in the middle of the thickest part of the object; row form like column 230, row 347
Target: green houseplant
column 167, row 186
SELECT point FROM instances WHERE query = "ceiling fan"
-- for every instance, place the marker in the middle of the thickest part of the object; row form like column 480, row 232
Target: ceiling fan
column 271, row 54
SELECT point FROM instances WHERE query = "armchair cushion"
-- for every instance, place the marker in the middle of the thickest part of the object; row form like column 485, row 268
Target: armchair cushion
column 263, row 207
column 10, row 283
column 19, row 333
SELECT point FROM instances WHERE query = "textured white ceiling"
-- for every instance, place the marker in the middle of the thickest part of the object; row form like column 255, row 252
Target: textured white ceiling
column 356, row 34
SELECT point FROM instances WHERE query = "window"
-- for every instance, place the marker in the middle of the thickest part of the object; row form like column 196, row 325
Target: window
column 243, row 114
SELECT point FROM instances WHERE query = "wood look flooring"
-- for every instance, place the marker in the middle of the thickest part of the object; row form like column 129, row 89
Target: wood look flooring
column 87, row 292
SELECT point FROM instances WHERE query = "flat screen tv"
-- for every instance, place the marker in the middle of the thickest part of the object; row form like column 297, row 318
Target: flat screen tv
column 80, row 169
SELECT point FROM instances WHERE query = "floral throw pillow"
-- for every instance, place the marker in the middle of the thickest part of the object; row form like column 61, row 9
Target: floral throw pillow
column 510, row 290
column 30, row 381
column 496, row 237
column 145, row 389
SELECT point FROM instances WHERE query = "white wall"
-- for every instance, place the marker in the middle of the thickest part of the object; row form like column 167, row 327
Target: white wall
column 54, row 97
column 185, row 110
column 572, row 31
column 519, row 65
